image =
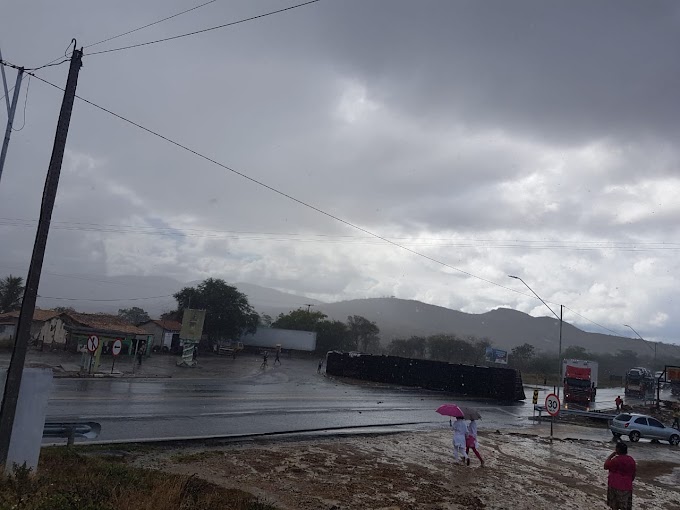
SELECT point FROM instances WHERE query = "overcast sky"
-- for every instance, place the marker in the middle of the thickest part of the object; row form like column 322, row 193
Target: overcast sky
column 529, row 138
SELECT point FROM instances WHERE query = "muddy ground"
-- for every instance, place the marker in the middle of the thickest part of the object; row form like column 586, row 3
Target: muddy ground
column 416, row 470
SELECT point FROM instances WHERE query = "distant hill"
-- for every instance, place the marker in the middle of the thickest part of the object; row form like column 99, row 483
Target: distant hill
column 506, row 328
column 397, row 318
column 272, row 301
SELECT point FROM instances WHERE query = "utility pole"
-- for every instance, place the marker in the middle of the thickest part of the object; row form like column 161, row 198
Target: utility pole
column 11, row 109
column 16, row 364
column 308, row 306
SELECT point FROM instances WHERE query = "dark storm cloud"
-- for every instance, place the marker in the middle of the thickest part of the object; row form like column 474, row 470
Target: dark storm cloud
column 436, row 119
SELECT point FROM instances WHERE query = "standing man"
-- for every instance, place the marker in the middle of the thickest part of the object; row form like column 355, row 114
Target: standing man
column 141, row 347
column 621, row 467
column 277, row 359
column 619, row 403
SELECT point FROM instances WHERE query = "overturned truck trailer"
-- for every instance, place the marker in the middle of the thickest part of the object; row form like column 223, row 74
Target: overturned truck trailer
column 462, row 380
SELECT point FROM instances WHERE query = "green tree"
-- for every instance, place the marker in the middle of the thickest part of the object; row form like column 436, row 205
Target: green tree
column 228, row 313
column 265, row 321
column 134, row 315
column 575, row 352
column 302, row 320
column 332, row 336
column 413, row 347
column 11, row 293
column 364, row 333
column 64, row 309
column 521, row 355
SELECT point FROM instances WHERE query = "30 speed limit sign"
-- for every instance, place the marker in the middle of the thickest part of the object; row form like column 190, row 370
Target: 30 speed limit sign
column 552, row 404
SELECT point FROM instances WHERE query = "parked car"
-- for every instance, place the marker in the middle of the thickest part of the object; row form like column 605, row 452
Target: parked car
column 636, row 426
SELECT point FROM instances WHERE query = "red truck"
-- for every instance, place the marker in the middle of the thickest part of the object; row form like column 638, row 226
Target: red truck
column 580, row 381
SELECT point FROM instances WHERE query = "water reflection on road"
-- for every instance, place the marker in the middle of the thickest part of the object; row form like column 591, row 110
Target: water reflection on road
column 290, row 397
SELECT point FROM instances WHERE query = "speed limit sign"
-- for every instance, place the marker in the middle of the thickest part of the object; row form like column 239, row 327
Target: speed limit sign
column 552, row 404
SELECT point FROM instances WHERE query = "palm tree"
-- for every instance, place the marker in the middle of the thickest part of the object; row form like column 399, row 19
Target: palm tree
column 11, row 293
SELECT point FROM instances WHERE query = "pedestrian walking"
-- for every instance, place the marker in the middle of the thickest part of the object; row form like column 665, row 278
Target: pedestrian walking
column 676, row 421
column 141, row 347
column 318, row 369
column 460, row 433
column 619, row 403
column 621, row 467
column 277, row 359
column 471, row 442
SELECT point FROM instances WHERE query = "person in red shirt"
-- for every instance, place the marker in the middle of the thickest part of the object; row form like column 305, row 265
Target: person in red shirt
column 619, row 403
column 621, row 467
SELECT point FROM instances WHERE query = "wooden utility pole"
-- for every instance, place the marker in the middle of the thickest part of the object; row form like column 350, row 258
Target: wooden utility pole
column 23, row 332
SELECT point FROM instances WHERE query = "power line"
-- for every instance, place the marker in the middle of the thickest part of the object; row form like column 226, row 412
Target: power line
column 129, row 32
column 305, row 204
column 25, row 101
column 283, row 194
column 150, row 24
column 434, row 242
column 244, row 20
column 105, row 300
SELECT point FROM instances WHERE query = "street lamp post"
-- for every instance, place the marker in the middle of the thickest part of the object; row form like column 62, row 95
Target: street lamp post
column 646, row 343
column 559, row 355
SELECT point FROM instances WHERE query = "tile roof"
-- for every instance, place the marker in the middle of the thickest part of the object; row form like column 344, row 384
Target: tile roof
column 38, row 315
column 104, row 322
column 167, row 325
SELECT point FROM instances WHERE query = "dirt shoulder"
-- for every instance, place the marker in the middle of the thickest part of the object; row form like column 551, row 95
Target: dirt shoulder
column 416, row 471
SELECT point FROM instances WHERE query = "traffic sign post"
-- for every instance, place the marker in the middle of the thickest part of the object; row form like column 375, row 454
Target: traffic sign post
column 115, row 350
column 552, row 405
column 535, row 401
column 92, row 346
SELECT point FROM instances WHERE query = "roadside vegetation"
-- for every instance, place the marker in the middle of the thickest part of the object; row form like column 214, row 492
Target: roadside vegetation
column 67, row 480
column 537, row 367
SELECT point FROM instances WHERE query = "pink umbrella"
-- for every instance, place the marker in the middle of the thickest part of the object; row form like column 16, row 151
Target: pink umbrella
column 450, row 410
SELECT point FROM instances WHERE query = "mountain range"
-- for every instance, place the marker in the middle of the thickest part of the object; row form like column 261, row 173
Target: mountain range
column 396, row 318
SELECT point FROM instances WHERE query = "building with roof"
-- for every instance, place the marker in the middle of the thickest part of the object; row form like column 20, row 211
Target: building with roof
column 165, row 333
column 8, row 323
column 70, row 331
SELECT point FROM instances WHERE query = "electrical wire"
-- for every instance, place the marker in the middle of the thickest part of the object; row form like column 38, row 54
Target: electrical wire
column 150, row 24
column 128, row 32
column 105, row 300
column 181, row 232
column 244, row 20
column 307, row 205
column 28, row 85
column 284, row 194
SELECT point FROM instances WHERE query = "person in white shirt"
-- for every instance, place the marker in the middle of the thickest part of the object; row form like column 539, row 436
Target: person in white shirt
column 460, row 433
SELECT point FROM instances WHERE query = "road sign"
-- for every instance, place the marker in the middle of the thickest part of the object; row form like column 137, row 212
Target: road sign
column 93, row 343
column 552, row 404
column 116, row 347
column 535, row 399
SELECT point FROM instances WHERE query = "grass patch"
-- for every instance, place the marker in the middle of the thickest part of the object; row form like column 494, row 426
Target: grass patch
column 67, row 480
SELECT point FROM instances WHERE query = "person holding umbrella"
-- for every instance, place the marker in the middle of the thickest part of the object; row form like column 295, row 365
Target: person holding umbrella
column 459, row 428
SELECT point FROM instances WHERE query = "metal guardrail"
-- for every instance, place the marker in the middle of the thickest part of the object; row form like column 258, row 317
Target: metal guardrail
column 85, row 430
column 576, row 412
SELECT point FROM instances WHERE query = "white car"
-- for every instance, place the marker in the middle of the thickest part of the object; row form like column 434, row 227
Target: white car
column 636, row 426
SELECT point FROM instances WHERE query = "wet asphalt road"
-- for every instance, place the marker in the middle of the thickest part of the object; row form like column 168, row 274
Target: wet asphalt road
column 290, row 397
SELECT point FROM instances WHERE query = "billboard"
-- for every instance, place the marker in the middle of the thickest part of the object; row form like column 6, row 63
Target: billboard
column 496, row 355
column 672, row 373
column 192, row 325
